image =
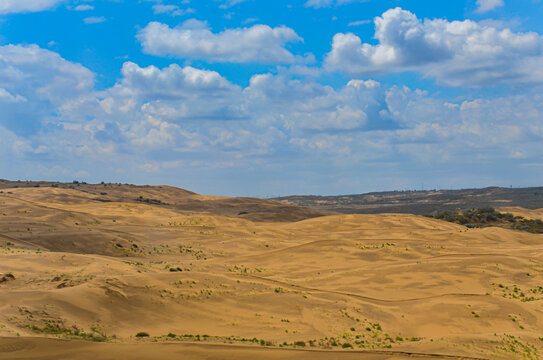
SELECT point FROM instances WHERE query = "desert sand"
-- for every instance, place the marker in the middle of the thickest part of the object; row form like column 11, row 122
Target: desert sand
column 526, row 213
column 220, row 278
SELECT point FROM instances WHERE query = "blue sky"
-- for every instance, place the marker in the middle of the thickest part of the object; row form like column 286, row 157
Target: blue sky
column 260, row 98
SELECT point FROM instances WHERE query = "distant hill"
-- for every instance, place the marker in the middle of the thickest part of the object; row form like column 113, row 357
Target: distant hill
column 169, row 197
column 422, row 202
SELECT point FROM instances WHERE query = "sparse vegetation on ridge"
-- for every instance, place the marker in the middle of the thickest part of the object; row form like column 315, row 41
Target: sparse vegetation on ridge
column 70, row 333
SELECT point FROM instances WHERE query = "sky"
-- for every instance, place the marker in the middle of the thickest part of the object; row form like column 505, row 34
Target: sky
column 273, row 98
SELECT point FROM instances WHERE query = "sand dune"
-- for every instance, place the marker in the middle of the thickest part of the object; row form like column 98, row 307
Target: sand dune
column 527, row 213
column 222, row 280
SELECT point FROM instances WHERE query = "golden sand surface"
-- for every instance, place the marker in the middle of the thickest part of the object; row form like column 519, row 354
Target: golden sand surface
column 526, row 213
column 89, row 275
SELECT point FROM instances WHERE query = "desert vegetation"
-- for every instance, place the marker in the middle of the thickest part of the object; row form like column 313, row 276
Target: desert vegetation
column 488, row 216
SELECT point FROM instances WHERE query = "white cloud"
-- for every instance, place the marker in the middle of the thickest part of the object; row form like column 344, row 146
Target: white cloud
column 172, row 10
column 154, row 118
column 94, row 20
column 457, row 53
column 193, row 110
column 11, row 145
column 35, row 81
column 488, row 5
column 162, row 9
column 317, row 4
column 229, row 3
column 6, row 96
column 176, row 94
column 21, row 6
column 150, row 167
column 194, row 39
column 84, row 7
column 306, row 105
column 359, row 22
column 250, row 21
column 162, row 134
column 36, row 73
column 172, row 81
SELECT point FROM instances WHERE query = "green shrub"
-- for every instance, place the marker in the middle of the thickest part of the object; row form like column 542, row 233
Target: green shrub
column 142, row 334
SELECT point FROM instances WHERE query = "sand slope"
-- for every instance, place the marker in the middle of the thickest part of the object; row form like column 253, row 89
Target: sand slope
column 527, row 213
column 51, row 349
column 324, row 287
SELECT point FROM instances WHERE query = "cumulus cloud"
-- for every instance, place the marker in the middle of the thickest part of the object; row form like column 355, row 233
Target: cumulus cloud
column 21, row 6
column 193, row 39
column 171, row 82
column 457, row 53
column 157, row 119
column 488, row 5
column 34, row 81
column 176, row 94
column 180, row 95
column 362, row 120
column 306, row 105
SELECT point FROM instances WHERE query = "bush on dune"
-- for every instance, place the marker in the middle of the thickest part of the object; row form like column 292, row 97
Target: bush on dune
column 488, row 216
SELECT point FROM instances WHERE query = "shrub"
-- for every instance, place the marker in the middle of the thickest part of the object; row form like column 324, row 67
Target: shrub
column 299, row 343
column 488, row 216
column 346, row 345
column 7, row 277
column 142, row 334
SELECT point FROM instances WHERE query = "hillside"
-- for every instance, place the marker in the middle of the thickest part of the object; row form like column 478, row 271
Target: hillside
column 85, row 275
column 422, row 202
column 168, row 197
